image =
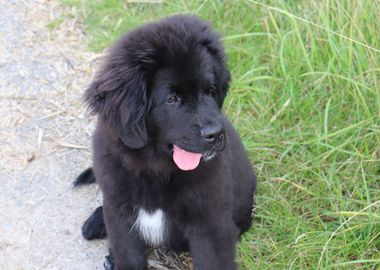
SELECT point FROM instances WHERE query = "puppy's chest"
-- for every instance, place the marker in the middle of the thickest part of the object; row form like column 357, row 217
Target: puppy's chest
column 152, row 209
column 152, row 225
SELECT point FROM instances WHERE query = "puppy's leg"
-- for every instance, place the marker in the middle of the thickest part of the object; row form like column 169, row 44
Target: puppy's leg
column 127, row 248
column 93, row 227
column 213, row 247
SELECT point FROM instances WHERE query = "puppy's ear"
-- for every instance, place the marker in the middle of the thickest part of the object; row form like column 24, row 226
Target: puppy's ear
column 118, row 96
column 100, row 95
column 133, row 114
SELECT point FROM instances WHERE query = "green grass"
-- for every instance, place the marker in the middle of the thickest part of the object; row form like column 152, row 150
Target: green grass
column 305, row 98
column 55, row 23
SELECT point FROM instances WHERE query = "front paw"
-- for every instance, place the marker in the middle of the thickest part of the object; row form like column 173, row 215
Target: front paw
column 108, row 264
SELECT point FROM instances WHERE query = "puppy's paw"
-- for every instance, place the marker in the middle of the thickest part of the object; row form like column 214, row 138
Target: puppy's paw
column 108, row 264
column 93, row 227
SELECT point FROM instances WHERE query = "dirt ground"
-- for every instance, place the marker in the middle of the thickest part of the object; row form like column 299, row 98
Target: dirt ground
column 45, row 137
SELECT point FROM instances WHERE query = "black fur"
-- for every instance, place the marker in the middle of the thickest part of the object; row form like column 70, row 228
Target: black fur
column 163, row 84
column 108, row 264
column 93, row 227
column 86, row 177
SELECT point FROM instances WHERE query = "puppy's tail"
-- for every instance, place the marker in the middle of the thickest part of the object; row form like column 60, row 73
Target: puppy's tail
column 85, row 178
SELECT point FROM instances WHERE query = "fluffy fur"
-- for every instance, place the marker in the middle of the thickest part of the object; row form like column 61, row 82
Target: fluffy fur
column 163, row 84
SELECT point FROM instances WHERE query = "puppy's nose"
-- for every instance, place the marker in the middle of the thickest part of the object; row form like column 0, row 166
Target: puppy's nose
column 213, row 133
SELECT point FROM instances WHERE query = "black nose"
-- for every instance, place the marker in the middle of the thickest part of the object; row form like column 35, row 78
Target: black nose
column 212, row 133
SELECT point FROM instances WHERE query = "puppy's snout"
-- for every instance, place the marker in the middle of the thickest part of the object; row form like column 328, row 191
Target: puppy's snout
column 213, row 133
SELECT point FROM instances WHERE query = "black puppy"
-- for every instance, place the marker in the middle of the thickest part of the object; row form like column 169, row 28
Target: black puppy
column 172, row 170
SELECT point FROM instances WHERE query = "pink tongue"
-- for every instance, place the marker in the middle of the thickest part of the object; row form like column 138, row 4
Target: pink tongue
column 186, row 161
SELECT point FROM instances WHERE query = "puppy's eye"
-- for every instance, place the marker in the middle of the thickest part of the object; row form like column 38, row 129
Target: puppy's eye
column 212, row 90
column 172, row 100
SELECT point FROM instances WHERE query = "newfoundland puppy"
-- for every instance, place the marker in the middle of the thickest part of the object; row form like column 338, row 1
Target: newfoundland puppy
column 172, row 169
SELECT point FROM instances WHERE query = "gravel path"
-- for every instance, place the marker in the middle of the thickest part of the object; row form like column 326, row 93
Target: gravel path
column 44, row 138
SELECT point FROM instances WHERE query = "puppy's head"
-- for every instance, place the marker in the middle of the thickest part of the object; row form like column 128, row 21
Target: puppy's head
column 164, row 83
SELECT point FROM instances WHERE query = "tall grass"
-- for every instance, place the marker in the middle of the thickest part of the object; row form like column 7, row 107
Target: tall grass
column 305, row 98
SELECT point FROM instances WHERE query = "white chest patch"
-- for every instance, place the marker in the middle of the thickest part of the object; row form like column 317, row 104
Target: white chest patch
column 151, row 226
